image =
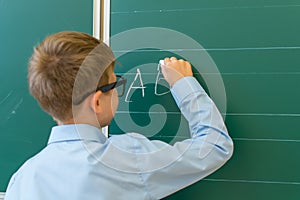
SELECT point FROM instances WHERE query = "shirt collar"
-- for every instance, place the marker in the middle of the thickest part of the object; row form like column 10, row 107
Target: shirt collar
column 73, row 132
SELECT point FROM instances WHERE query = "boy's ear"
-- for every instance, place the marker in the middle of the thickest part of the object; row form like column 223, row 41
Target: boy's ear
column 95, row 102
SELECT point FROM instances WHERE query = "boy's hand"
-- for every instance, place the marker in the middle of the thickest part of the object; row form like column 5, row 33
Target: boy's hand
column 174, row 69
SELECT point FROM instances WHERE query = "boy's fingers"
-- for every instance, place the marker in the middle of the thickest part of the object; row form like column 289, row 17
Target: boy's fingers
column 167, row 60
column 173, row 59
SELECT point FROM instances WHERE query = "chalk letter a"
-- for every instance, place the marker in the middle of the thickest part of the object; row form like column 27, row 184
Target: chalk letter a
column 138, row 76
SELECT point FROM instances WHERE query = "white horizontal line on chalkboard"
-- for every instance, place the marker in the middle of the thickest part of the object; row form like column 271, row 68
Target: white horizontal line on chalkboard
column 253, row 181
column 265, row 140
column 200, row 9
column 265, row 114
column 225, row 73
column 138, row 112
column 227, row 114
column 210, row 49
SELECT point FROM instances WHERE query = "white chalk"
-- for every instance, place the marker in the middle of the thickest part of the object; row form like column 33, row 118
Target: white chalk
column 162, row 62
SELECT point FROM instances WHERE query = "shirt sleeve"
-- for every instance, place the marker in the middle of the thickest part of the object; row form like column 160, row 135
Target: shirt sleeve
column 208, row 149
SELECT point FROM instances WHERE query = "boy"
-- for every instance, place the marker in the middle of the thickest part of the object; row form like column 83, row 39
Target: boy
column 71, row 76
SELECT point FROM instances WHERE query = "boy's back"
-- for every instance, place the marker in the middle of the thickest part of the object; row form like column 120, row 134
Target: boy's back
column 79, row 162
column 70, row 167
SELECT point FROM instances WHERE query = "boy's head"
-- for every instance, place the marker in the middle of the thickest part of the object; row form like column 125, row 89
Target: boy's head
column 64, row 68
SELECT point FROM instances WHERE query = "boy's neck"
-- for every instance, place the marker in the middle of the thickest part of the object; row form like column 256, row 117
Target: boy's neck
column 70, row 121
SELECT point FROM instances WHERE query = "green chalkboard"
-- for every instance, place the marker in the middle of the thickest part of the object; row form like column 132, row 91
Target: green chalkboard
column 255, row 46
column 24, row 127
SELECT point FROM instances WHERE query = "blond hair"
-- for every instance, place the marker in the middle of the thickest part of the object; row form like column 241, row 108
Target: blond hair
column 65, row 67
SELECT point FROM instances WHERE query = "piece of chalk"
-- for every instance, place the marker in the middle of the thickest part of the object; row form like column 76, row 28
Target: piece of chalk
column 161, row 62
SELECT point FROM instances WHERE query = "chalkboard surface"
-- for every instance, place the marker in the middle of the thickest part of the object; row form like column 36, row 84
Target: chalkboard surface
column 24, row 127
column 255, row 46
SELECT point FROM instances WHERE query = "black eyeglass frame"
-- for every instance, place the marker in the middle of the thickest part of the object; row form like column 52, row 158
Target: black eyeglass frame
column 110, row 86
column 105, row 88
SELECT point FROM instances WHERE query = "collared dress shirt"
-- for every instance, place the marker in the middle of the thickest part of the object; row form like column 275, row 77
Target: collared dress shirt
column 80, row 163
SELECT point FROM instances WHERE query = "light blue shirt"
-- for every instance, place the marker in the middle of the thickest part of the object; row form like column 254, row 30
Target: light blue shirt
column 79, row 162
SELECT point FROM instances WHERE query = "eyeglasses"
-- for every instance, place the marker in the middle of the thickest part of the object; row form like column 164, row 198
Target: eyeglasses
column 119, row 85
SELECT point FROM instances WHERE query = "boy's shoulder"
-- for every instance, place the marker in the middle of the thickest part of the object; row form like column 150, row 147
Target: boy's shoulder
column 136, row 143
column 29, row 164
column 28, row 168
column 127, row 140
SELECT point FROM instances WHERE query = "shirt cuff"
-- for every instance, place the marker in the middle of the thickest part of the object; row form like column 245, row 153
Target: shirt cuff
column 184, row 87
